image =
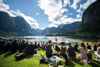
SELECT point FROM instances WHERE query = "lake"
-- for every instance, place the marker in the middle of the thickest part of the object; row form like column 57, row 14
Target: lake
column 59, row 38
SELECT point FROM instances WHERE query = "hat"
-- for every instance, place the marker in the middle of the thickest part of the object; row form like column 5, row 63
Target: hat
column 89, row 50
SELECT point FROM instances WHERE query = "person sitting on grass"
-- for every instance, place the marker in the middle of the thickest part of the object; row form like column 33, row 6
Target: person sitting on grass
column 38, row 45
column 88, row 46
column 75, row 47
column 71, row 52
column 49, row 49
column 83, row 52
column 94, row 47
column 89, row 55
column 97, row 53
column 63, row 50
column 43, row 46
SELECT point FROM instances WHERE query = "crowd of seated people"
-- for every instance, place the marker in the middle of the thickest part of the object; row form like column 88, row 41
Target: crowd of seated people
column 20, row 46
column 65, row 50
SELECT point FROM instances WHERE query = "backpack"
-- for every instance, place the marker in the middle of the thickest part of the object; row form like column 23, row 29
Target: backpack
column 44, row 60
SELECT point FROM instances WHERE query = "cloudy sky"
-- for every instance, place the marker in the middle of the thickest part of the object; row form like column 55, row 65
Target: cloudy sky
column 46, row 13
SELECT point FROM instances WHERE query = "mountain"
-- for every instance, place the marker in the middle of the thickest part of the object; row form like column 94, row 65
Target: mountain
column 37, row 31
column 90, row 26
column 61, row 28
column 92, row 13
column 13, row 25
column 6, row 22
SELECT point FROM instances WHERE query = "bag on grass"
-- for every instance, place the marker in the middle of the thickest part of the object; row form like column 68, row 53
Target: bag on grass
column 44, row 60
column 20, row 56
column 57, row 62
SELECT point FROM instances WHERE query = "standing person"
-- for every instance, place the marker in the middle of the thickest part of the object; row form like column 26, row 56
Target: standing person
column 83, row 52
column 55, row 39
column 88, row 46
column 71, row 52
column 63, row 50
column 49, row 49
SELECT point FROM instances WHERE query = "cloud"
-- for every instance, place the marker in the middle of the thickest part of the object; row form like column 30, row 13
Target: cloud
column 32, row 22
column 71, row 13
column 74, row 5
column 66, row 2
column 52, row 25
column 37, row 13
column 4, row 7
column 85, row 5
column 71, row 20
column 78, row 16
column 79, row 11
column 53, row 9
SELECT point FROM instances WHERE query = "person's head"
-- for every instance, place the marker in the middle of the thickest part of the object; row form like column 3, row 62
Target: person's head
column 98, row 44
column 49, row 41
column 82, row 45
column 43, row 42
column 89, row 51
column 0, row 38
column 76, row 43
column 35, row 42
column 62, row 43
column 86, row 43
column 23, row 41
column 15, row 40
column 38, row 42
column 31, row 42
column 69, row 44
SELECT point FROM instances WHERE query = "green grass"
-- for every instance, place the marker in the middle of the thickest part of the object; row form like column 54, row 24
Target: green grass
column 7, row 60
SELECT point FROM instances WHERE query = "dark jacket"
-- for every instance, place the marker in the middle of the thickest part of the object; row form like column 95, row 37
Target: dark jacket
column 71, row 51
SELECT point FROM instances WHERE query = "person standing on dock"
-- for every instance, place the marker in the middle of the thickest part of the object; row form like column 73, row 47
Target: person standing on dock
column 55, row 39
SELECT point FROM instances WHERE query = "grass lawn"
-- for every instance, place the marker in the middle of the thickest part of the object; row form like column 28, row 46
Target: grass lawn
column 7, row 60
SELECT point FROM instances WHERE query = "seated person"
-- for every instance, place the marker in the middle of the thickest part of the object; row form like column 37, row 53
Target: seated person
column 14, row 46
column 38, row 45
column 75, row 47
column 94, row 47
column 89, row 55
column 97, row 53
column 88, row 46
column 43, row 46
column 49, row 49
column 35, row 44
column 22, row 46
column 30, row 49
column 83, row 52
column 63, row 50
column 71, row 52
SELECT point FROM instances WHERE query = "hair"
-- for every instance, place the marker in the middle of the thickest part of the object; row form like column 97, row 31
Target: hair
column 98, row 44
column 62, row 43
column 86, row 43
column 49, row 41
column 82, row 45
column 69, row 43
column 76, row 43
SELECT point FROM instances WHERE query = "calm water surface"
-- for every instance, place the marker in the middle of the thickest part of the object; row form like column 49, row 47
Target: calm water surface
column 59, row 38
